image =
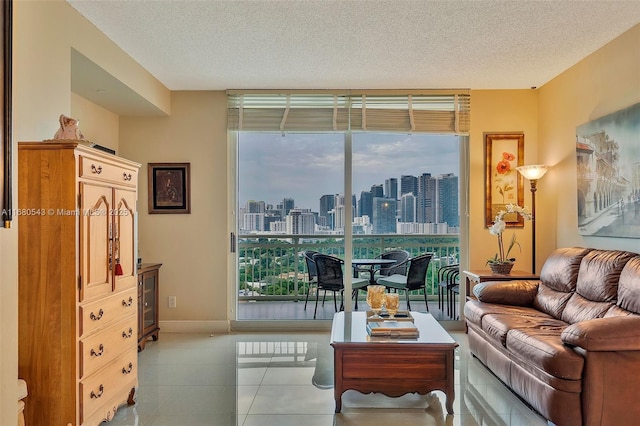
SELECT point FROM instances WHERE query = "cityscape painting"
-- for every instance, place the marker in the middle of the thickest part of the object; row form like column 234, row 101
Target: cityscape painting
column 608, row 173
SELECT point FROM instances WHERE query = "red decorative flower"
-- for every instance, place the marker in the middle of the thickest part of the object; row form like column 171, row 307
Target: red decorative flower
column 503, row 167
column 508, row 156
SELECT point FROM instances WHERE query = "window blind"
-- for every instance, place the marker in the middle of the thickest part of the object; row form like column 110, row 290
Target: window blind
column 444, row 112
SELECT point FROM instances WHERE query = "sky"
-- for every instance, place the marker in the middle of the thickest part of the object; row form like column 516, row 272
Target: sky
column 306, row 166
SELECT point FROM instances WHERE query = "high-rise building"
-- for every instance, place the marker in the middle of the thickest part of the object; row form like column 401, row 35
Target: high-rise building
column 408, row 184
column 384, row 215
column 253, row 206
column 365, row 207
column 300, row 221
column 426, row 207
column 377, row 191
column 285, row 206
column 391, row 188
column 271, row 216
column 327, row 203
column 253, row 222
column 408, row 208
column 448, row 211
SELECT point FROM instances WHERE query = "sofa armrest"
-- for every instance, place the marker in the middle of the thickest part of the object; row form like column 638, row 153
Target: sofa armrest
column 515, row 292
column 604, row 334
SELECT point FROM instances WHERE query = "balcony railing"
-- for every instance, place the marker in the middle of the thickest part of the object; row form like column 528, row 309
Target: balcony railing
column 273, row 268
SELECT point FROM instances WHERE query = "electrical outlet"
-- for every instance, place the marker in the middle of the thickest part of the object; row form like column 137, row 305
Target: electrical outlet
column 172, row 301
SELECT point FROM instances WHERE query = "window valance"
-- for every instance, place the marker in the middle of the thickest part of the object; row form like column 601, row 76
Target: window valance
column 437, row 111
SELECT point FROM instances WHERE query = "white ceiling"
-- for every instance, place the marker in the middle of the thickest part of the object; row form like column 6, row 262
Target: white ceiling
column 358, row 44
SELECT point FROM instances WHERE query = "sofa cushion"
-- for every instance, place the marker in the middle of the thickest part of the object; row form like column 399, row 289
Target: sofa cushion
column 629, row 286
column 597, row 286
column 580, row 309
column 551, row 301
column 599, row 274
column 497, row 326
column 515, row 292
column 543, row 349
column 617, row 311
column 560, row 269
column 474, row 310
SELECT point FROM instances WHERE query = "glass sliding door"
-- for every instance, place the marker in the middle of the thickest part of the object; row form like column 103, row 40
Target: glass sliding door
column 407, row 189
column 290, row 194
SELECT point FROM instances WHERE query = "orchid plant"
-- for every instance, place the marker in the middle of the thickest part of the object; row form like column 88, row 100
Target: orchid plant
column 498, row 228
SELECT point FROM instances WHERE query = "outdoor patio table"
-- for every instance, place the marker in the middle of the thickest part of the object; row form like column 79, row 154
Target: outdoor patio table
column 371, row 262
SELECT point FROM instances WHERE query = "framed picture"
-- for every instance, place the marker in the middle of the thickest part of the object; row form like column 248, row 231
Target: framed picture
column 5, row 127
column 169, row 188
column 608, row 172
column 504, row 185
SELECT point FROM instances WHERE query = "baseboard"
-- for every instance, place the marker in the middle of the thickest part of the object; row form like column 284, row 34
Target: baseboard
column 221, row 326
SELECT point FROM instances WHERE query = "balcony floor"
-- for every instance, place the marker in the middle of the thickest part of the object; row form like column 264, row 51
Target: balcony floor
column 291, row 310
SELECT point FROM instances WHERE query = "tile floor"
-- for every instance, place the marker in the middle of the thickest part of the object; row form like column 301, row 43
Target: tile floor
column 286, row 379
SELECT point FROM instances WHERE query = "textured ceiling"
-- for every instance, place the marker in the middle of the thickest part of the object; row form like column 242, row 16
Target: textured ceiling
column 240, row 44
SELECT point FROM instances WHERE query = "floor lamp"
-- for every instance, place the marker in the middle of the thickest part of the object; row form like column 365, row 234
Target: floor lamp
column 533, row 173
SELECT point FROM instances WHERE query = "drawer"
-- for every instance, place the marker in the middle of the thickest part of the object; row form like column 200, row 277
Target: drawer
column 104, row 386
column 103, row 170
column 100, row 313
column 102, row 348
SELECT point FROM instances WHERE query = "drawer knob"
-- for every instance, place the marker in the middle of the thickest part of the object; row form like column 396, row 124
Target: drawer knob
column 95, row 317
column 99, row 394
column 100, row 351
column 126, row 371
column 128, row 303
column 125, row 335
column 96, row 169
column 127, row 176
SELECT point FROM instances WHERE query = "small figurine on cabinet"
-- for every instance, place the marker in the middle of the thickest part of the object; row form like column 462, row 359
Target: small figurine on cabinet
column 69, row 129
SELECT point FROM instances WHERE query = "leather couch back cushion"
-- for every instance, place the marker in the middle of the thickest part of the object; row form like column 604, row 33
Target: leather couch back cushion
column 550, row 301
column 629, row 286
column 560, row 270
column 580, row 309
column 599, row 274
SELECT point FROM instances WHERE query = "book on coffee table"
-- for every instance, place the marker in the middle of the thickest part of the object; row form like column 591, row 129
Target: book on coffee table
column 392, row 329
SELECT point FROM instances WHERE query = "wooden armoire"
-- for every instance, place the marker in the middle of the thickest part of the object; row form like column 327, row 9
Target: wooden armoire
column 78, row 299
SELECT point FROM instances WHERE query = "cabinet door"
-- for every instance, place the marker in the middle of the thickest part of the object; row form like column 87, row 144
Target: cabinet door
column 95, row 240
column 150, row 304
column 124, row 239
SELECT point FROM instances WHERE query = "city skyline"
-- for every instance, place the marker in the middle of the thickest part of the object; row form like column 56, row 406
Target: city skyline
column 305, row 167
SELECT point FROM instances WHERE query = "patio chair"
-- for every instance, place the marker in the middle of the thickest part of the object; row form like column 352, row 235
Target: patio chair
column 448, row 286
column 311, row 272
column 414, row 279
column 330, row 278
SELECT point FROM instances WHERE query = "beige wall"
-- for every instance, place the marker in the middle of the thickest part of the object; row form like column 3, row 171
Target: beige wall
column 97, row 124
column 499, row 111
column 193, row 248
column 604, row 82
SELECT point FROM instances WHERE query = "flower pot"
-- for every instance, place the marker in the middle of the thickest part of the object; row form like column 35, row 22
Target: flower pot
column 501, row 268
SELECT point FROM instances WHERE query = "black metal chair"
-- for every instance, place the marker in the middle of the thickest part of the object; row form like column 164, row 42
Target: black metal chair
column 415, row 278
column 331, row 278
column 448, row 286
column 312, row 273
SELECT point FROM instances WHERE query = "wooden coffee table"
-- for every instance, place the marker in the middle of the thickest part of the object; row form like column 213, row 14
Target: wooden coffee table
column 391, row 366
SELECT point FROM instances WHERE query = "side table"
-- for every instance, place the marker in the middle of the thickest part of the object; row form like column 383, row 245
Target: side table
column 477, row 276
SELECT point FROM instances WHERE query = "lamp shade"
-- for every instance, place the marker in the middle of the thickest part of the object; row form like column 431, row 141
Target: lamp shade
column 533, row 172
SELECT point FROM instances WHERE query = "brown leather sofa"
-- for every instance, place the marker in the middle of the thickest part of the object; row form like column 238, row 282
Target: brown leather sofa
column 569, row 343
